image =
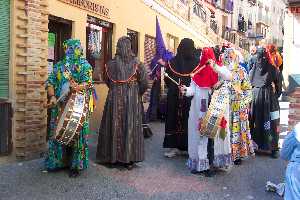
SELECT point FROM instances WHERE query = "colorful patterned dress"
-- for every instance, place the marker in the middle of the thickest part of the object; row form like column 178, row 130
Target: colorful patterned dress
column 241, row 143
column 74, row 66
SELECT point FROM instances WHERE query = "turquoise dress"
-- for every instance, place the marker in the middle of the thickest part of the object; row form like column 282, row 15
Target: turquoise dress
column 291, row 152
column 75, row 66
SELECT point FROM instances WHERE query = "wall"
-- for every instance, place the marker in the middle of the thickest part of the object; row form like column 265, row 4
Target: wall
column 291, row 46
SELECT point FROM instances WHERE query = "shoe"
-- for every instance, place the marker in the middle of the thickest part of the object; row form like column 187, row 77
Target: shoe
column 209, row 173
column 275, row 154
column 172, row 153
column 237, row 162
column 130, row 166
column 73, row 173
column 194, row 171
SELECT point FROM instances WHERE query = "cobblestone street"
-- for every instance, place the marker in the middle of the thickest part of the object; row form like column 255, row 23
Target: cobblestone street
column 156, row 178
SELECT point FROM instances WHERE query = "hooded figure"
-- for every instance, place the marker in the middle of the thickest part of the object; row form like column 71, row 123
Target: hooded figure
column 72, row 73
column 157, row 106
column 264, row 121
column 179, row 69
column 121, row 139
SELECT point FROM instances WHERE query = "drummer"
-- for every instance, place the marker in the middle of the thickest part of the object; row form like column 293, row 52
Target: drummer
column 202, row 157
column 73, row 73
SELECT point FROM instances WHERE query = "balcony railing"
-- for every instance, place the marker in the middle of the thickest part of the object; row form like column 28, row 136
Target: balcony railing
column 214, row 26
column 199, row 11
column 229, row 35
column 293, row 2
column 252, row 2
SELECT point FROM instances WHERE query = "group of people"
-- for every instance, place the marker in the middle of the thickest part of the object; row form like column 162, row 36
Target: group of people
column 220, row 110
column 209, row 101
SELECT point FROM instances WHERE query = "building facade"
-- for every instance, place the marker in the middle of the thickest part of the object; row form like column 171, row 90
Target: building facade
column 31, row 43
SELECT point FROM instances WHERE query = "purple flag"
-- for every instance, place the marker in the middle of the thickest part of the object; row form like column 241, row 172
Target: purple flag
column 161, row 51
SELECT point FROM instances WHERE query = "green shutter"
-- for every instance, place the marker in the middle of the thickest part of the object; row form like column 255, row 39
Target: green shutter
column 4, row 47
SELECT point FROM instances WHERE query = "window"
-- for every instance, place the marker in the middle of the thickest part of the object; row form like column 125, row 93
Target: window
column 133, row 35
column 172, row 40
column 99, row 43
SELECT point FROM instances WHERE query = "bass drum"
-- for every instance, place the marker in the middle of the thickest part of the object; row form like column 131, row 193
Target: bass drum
column 71, row 120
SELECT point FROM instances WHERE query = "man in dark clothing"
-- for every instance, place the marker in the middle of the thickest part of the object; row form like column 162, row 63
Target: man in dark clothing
column 178, row 106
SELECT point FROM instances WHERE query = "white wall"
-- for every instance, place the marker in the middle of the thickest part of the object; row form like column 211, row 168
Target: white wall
column 291, row 46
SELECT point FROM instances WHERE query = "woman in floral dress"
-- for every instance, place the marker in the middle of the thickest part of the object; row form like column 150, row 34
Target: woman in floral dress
column 72, row 73
column 240, row 99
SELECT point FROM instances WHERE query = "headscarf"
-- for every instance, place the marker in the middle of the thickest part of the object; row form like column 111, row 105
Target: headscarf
column 207, row 77
column 259, row 74
column 184, row 61
column 73, row 49
column 124, row 64
column 124, row 51
column 274, row 57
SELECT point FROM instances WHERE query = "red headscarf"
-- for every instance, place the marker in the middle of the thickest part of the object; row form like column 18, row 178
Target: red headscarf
column 207, row 77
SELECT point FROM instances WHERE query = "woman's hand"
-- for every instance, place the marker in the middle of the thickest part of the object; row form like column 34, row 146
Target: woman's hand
column 182, row 89
column 52, row 101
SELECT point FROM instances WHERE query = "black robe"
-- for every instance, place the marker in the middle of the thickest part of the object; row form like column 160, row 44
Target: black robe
column 264, row 116
column 176, row 126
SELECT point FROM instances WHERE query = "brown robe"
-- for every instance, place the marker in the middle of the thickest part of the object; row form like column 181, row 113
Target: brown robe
column 121, row 134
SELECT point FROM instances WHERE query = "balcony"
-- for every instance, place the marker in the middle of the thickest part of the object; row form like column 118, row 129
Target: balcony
column 214, row 26
column 228, row 34
column 199, row 11
column 181, row 7
column 252, row 2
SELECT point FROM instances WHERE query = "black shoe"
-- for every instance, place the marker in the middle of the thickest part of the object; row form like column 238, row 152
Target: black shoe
column 238, row 162
column 275, row 154
column 194, row 171
column 73, row 173
column 209, row 173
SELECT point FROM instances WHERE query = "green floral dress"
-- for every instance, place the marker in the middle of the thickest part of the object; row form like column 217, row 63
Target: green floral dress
column 74, row 66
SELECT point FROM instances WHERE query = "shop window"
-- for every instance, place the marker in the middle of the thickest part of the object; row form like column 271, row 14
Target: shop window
column 99, row 44
column 134, row 38
column 172, row 40
column 60, row 30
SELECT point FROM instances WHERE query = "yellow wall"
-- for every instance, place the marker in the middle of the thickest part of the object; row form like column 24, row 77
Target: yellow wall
column 125, row 14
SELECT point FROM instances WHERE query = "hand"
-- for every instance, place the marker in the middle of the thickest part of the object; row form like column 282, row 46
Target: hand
column 182, row 89
column 273, row 87
column 162, row 62
column 74, row 86
column 52, row 101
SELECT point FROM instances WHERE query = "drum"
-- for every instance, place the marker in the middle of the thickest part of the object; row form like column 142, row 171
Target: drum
column 210, row 124
column 71, row 120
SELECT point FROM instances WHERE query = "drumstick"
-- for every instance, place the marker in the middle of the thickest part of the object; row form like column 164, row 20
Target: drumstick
column 59, row 98
column 167, row 75
column 198, row 70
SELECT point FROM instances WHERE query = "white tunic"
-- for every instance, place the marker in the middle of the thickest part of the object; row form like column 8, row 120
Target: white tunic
column 197, row 144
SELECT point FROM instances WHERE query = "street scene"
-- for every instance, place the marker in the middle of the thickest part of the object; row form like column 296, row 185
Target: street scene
column 155, row 178
column 149, row 99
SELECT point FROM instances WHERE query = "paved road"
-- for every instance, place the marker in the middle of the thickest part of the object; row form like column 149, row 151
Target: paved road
column 156, row 178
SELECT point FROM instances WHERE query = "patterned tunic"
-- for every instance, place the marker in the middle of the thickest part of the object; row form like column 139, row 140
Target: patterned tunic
column 76, row 155
column 241, row 143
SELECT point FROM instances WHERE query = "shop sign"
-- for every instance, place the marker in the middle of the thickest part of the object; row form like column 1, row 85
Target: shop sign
column 295, row 9
column 90, row 6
